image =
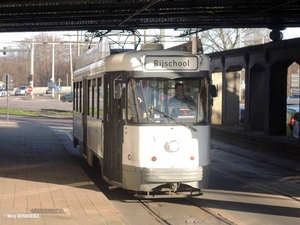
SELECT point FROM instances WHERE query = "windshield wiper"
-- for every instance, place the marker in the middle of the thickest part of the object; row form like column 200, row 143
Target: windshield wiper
column 176, row 121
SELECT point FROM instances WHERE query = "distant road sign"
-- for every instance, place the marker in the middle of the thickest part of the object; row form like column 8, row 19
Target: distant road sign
column 30, row 88
column 58, row 88
column 51, row 84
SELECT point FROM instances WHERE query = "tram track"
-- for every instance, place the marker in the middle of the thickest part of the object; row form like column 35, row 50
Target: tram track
column 257, row 156
column 178, row 211
column 217, row 216
column 268, row 175
column 256, row 184
column 197, row 210
column 212, row 217
column 154, row 213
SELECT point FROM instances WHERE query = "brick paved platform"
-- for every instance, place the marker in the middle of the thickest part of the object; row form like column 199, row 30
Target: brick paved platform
column 41, row 183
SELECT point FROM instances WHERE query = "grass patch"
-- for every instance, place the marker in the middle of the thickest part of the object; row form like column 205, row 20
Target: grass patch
column 18, row 112
column 50, row 113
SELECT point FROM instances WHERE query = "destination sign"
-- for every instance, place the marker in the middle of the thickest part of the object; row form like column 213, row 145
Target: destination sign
column 171, row 63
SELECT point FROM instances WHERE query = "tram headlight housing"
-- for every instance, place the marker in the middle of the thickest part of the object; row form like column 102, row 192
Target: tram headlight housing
column 173, row 146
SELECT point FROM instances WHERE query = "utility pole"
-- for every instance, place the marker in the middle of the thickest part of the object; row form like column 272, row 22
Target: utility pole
column 53, row 67
column 7, row 80
column 71, row 67
column 31, row 96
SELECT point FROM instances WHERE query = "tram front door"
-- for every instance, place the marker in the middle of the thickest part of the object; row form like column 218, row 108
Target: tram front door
column 113, row 131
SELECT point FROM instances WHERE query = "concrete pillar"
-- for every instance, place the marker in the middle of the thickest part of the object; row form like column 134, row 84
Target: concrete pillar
column 257, row 98
column 231, row 98
column 277, row 101
column 216, row 117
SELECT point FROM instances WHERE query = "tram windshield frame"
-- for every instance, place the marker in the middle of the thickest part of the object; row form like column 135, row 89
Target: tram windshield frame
column 152, row 101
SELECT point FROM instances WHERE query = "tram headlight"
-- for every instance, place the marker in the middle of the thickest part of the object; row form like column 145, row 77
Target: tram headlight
column 173, row 146
column 129, row 157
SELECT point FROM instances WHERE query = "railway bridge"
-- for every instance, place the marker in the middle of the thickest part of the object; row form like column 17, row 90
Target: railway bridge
column 262, row 70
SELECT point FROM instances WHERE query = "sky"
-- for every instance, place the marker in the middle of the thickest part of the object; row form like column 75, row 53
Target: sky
column 290, row 33
column 14, row 38
column 17, row 37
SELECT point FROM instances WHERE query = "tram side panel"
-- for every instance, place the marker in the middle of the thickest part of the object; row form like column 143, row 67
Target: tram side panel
column 93, row 124
column 94, row 132
column 77, row 115
column 78, row 129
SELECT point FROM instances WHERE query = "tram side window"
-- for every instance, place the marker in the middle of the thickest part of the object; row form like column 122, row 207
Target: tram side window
column 89, row 97
column 134, row 110
column 75, row 87
column 94, row 97
column 204, row 98
column 91, row 87
column 80, row 96
column 99, row 99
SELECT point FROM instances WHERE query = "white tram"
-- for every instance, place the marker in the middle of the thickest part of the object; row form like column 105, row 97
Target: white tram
column 123, row 118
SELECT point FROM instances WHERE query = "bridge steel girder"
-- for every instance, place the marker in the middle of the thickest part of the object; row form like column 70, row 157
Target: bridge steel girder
column 265, row 85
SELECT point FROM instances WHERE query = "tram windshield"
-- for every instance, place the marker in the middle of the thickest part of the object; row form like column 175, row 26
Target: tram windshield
column 162, row 100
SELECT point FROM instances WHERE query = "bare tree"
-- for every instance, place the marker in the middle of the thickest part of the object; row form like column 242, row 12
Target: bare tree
column 15, row 64
column 255, row 36
column 221, row 39
column 43, row 60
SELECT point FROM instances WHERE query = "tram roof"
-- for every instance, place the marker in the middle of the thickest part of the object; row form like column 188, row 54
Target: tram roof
column 133, row 61
column 103, row 50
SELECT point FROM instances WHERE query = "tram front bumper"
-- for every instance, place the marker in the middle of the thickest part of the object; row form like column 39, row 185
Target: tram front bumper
column 168, row 175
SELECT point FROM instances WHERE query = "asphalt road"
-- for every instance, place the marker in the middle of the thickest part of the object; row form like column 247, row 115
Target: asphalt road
column 38, row 103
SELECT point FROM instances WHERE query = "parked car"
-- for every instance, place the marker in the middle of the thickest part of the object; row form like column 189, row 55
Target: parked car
column 22, row 90
column 67, row 97
column 293, row 100
column 242, row 116
column 49, row 90
column 293, row 121
column 101, row 93
column 3, row 92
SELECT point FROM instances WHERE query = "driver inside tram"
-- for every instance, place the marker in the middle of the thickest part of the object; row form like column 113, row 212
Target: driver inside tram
column 180, row 97
column 181, row 103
